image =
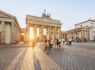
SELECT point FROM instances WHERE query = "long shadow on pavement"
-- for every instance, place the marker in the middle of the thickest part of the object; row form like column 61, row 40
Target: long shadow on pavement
column 36, row 62
column 16, row 63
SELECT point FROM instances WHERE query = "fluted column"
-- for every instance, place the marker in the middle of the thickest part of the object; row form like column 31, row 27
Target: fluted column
column 3, row 32
column 59, row 33
column 82, row 36
column 54, row 33
column 12, row 32
column 41, row 33
column 49, row 32
column 27, row 34
column 74, row 35
column 85, row 36
column 88, row 34
column 35, row 32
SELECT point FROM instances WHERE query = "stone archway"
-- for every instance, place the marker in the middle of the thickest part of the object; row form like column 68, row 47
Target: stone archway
column 52, row 27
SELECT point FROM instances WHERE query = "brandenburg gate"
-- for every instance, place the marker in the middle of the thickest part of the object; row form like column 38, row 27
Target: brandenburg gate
column 53, row 27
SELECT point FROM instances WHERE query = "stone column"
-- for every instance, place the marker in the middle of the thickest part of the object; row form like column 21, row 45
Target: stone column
column 67, row 35
column 41, row 33
column 82, row 35
column 49, row 32
column 74, row 35
column 27, row 34
column 3, row 32
column 54, row 33
column 85, row 35
column 59, row 33
column 88, row 33
column 66, row 38
column 12, row 33
column 35, row 32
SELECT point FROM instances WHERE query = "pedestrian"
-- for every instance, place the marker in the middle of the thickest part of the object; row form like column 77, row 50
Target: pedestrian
column 33, row 44
column 58, row 43
column 45, row 46
column 66, row 42
column 63, row 40
column 48, row 48
column 85, row 40
column 49, row 42
column 70, row 41
column 55, row 43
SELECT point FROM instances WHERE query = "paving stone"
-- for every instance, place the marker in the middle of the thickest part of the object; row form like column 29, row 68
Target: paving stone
column 78, row 56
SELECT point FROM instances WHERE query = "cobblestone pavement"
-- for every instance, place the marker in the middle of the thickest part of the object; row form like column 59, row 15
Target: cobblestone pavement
column 18, row 45
column 79, row 56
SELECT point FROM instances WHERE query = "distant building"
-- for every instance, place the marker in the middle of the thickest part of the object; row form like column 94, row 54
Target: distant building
column 89, row 23
column 9, row 28
column 83, row 30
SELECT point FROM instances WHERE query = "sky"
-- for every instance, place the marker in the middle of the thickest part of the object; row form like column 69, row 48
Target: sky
column 69, row 12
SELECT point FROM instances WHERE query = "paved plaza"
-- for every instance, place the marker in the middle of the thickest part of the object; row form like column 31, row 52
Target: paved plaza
column 79, row 56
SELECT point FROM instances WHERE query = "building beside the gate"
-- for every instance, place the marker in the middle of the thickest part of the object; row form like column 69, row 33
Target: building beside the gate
column 9, row 28
column 91, row 24
column 22, row 31
column 83, row 30
column 39, row 24
column 78, row 33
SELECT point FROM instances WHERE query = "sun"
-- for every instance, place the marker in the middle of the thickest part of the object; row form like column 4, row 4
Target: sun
column 32, row 35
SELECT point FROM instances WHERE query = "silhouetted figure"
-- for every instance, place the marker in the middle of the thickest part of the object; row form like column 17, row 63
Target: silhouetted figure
column 85, row 40
column 45, row 46
column 70, row 41
column 58, row 43
column 33, row 44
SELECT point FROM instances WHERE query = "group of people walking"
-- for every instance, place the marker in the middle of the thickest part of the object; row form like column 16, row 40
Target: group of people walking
column 48, row 44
